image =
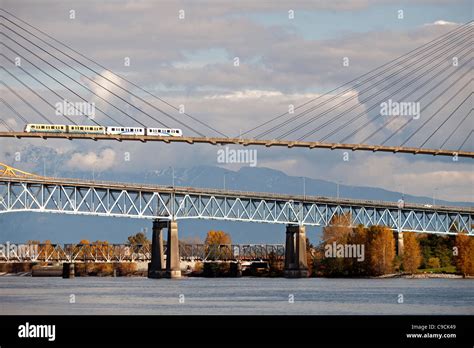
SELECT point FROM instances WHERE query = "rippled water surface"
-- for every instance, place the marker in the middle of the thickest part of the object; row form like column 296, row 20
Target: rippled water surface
column 27, row 295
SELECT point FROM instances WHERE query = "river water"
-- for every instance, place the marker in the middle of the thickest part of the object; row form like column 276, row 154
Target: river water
column 122, row 295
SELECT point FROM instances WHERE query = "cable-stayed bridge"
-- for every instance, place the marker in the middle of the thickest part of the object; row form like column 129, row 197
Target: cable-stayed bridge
column 419, row 102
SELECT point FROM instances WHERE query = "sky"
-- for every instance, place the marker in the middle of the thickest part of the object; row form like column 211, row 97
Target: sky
column 282, row 61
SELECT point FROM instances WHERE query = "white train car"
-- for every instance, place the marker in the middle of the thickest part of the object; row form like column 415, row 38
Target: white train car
column 45, row 128
column 118, row 130
column 81, row 129
column 164, row 132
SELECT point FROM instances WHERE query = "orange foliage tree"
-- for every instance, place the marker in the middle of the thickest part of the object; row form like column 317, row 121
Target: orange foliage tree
column 217, row 238
column 465, row 254
column 381, row 250
column 338, row 231
column 411, row 258
column 214, row 241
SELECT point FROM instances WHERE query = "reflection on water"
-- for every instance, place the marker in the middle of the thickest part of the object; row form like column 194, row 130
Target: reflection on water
column 27, row 295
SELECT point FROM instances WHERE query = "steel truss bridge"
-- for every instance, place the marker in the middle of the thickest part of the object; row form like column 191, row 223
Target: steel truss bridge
column 108, row 253
column 30, row 193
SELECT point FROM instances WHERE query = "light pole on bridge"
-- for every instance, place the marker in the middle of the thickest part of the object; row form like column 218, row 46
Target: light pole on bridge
column 434, row 195
column 304, row 187
column 172, row 176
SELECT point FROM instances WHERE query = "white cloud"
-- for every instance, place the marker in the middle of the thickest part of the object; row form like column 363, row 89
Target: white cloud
column 442, row 22
column 105, row 160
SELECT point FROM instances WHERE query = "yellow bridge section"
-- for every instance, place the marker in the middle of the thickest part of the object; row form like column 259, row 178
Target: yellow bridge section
column 6, row 170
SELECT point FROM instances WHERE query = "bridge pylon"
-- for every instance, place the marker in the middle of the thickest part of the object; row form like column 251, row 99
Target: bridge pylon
column 157, row 268
column 296, row 263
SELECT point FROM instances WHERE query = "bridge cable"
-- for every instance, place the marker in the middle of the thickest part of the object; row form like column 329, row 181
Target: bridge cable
column 31, row 90
column 422, row 109
column 26, row 102
column 364, row 112
column 304, row 124
column 50, row 89
column 5, row 124
column 455, row 129
column 142, row 124
column 13, row 110
column 345, row 101
column 393, row 118
column 57, row 94
column 105, row 68
column 97, row 73
column 442, row 124
column 103, row 112
column 432, row 116
column 424, row 46
column 442, row 93
column 361, row 102
column 468, row 136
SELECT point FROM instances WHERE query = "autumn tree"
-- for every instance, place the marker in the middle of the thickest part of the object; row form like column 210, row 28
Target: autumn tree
column 84, row 249
column 411, row 258
column 338, row 231
column 46, row 249
column 214, row 243
column 138, row 239
column 465, row 254
column 360, row 237
column 381, row 247
column 217, row 238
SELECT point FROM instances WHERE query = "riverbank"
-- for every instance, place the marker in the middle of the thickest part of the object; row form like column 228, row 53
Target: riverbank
column 423, row 276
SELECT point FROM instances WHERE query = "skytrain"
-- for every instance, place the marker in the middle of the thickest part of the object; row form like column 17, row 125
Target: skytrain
column 114, row 130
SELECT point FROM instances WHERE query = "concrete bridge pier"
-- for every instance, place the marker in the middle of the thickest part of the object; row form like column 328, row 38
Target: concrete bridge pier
column 68, row 270
column 296, row 263
column 173, row 261
column 156, row 268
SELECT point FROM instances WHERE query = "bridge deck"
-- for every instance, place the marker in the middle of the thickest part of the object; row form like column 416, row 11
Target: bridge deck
column 244, row 142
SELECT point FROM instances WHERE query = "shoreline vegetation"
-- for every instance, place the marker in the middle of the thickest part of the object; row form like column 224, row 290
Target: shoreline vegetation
column 374, row 252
